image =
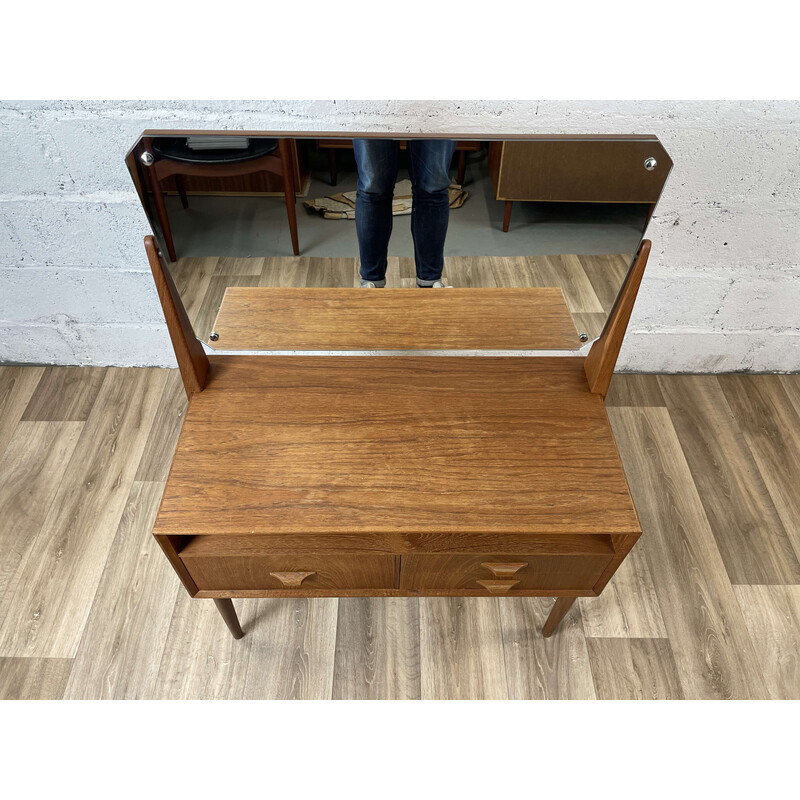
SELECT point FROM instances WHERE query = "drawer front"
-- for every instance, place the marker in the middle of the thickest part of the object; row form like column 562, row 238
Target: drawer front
column 501, row 574
column 298, row 572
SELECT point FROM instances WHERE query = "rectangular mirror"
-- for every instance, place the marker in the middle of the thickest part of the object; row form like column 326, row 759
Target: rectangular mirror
column 236, row 212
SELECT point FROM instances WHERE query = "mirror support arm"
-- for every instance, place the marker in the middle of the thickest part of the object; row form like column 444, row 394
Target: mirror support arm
column 602, row 358
column 192, row 360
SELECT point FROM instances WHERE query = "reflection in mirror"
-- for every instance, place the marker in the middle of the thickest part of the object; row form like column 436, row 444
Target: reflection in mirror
column 233, row 211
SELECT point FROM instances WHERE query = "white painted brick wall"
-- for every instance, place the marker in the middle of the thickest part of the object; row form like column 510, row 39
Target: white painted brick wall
column 722, row 291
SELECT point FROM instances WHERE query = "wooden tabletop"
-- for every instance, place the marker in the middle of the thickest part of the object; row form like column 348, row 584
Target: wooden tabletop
column 283, row 444
column 270, row 318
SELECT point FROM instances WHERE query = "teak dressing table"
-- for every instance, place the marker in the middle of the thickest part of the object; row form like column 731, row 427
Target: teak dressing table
column 488, row 472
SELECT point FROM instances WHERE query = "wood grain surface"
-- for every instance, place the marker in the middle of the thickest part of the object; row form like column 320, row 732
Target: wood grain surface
column 751, row 538
column 770, row 423
column 34, row 461
column 772, row 616
column 559, row 572
column 47, row 612
column 708, row 628
column 33, row 678
column 268, row 318
column 538, row 668
column 283, row 444
column 566, row 170
column 65, row 394
column 377, row 649
column 256, row 572
column 602, row 358
column 461, row 649
column 634, row 669
column 589, row 283
column 192, row 360
column 301, row 667
column 635, row 390
column 17, row 385
column 132, row 610
column 628, row 606
column 725, row 639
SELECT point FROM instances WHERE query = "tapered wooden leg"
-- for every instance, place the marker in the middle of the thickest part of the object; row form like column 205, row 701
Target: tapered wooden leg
column 462, row 166
column 332, row 161
column 563, row 604
column 287, row 164
column 181, row 191
column 507, row 215
column 163, row 219
column 228, row 612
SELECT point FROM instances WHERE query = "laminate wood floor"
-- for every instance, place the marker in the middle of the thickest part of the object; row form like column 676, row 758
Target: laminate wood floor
column 706, row 606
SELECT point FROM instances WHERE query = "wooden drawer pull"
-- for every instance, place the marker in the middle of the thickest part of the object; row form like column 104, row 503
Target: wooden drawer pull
column 291, row 579
column 504, row 570
column 498, row 587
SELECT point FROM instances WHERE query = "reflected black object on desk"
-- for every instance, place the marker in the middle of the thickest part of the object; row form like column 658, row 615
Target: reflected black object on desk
column 179, row 148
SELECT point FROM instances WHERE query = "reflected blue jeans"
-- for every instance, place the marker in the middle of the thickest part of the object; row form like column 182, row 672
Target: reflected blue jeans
column 428, row 166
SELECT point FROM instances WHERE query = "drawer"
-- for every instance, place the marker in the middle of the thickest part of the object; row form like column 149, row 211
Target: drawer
column 212, row 569
column 502, row 573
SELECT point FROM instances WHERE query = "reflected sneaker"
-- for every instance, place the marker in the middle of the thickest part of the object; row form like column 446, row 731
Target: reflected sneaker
column 440, row 284
column 373, row 284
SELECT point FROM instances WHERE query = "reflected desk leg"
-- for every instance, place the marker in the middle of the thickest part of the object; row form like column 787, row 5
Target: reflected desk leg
column 563, row 604
column 163, row 218
column 507, row 215
column 287, row 169
column 182, row 191
column 332, row 163
column 228, row 613
column 462, row 167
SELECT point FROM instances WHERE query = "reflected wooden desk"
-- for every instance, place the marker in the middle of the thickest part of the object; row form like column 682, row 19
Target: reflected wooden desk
column 395, row 475
column 590, row 169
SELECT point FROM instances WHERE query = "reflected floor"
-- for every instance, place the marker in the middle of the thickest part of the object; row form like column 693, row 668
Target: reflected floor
column 250, row 227
column 590, row 283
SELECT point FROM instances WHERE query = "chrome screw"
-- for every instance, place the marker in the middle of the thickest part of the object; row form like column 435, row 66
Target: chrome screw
column 584, row 337
column 650, row 164
column 146, row 158
column 214, row 336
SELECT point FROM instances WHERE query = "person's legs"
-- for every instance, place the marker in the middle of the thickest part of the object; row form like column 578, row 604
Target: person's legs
column 428, row 165
column 377, row 173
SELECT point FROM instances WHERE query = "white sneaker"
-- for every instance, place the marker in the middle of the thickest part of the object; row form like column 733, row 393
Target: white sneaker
column 372, row 284
column 440, row 284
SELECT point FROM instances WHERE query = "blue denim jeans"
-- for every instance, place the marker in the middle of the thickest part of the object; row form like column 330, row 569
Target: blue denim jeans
column 428, row 166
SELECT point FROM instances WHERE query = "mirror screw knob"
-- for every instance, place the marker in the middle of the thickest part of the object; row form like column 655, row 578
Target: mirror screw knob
column 214, row 336
column 146, row 158
column 650, row 164
column 584, row 337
